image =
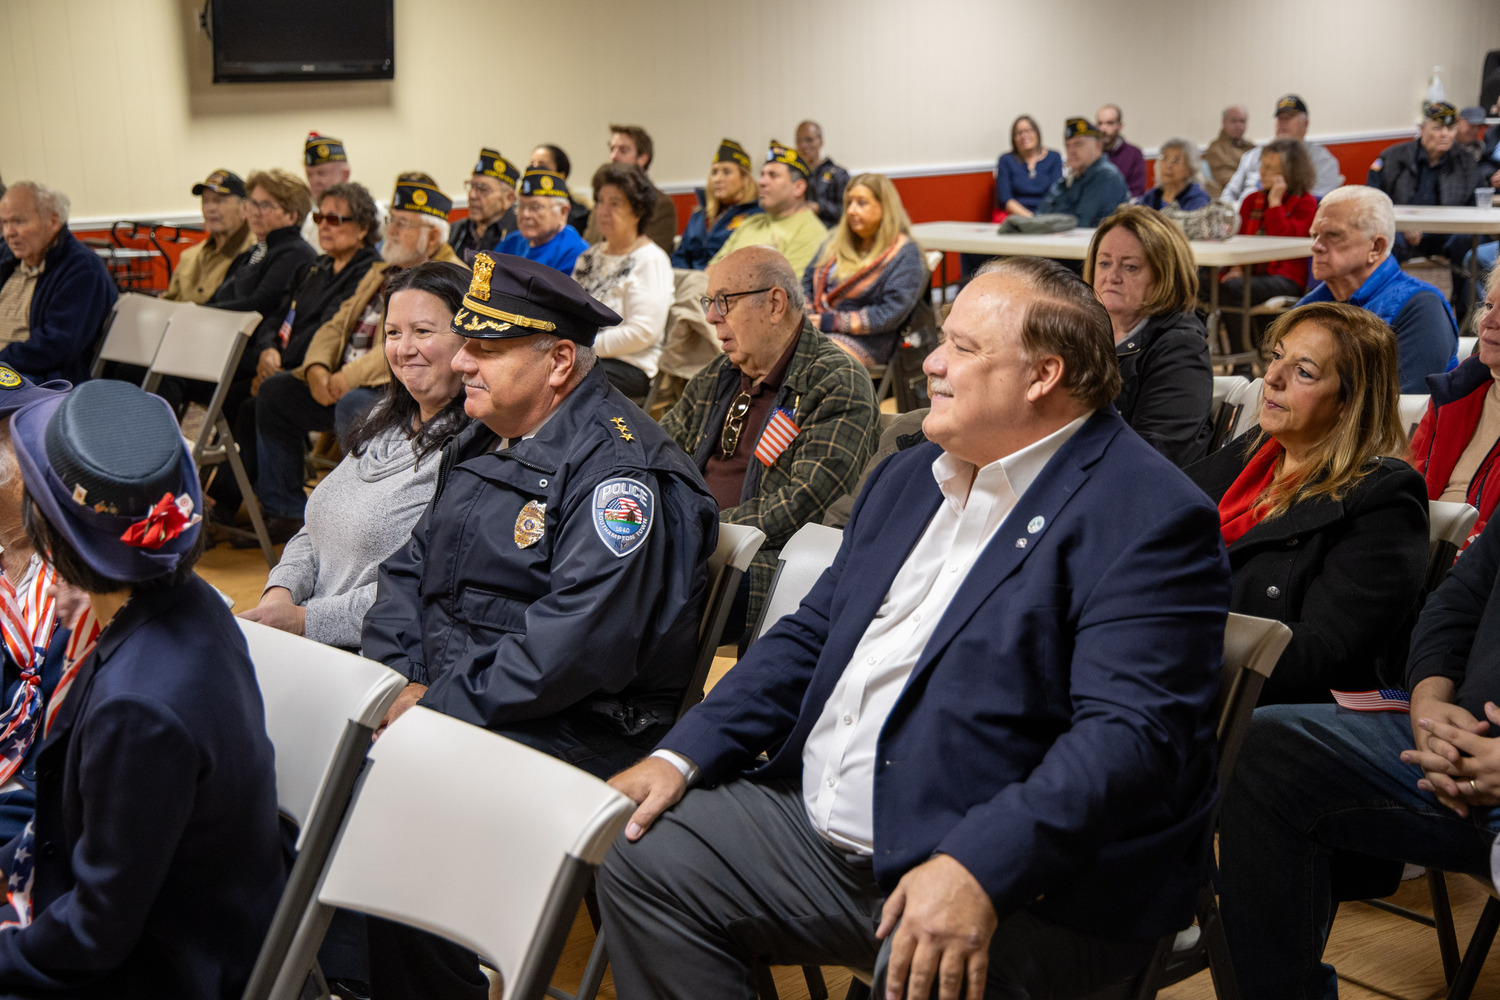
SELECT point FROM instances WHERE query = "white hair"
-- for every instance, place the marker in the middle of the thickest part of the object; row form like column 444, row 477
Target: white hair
column 584, row 358
column 1189, row 150
column 1370, row 211
column 438, row 224
column 49, row 201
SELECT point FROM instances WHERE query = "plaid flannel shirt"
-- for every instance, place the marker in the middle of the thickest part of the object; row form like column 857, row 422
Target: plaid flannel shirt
column 833, row 404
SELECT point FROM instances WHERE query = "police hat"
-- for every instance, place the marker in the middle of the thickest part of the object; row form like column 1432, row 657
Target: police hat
column 107, row 467
column 540, row 183
column 780, row 152
column 492, row 164
column 515, row 297
column 321, row 149
column 413, row 196
column 1290, row 104
column 732, row 152
column 1441, row 112
column 1076, row 127
column 223, row 182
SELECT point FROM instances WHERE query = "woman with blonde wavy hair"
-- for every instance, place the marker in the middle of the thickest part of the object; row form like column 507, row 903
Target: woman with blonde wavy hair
column 869, row 274
column 729, row 198
column 1325, row 522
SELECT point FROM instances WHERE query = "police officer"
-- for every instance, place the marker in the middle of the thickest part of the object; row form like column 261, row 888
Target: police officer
column 553, row 588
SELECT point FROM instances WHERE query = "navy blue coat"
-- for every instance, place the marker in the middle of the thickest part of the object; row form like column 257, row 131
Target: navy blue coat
column 74, row 295
column 700, row 243
column 1055, row 737
column 159, row 858
column 505, row 633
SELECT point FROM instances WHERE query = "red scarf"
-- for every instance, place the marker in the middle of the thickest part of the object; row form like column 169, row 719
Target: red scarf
column 1237, row 513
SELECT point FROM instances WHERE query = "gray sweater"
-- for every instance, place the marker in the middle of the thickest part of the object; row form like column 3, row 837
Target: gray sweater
column 361, row 513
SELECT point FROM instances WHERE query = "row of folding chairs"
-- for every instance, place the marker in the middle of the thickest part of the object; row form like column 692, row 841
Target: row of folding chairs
column 187, row 341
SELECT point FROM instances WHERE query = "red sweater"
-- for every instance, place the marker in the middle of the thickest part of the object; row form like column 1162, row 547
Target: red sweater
column 1293, row 217
column 1440, row 439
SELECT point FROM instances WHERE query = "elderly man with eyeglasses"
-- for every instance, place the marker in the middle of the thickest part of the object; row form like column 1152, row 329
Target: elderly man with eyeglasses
column 782, row 422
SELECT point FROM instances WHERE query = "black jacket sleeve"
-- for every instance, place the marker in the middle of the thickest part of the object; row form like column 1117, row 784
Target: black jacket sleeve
column 1174, row 392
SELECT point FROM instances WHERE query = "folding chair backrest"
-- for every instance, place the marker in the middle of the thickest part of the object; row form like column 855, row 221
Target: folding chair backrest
column 1411, row 407
column 1466, row 347
column 803, row 559
column 1247, row 397
column 203, row 343
column 1226, row 414
column 311, row 692
column 730, row 561
column 135, row 330
column 1252, row 646
column 520, row 834
column 1448, row 526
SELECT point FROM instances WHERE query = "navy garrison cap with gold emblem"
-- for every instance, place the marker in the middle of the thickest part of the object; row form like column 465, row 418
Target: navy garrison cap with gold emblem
column 321, row 149
column 222, row 182
column 1076, row 127
column 412, row 196
column 1443, row 113
column 515, row 297
column 539, row 183
column 492, row 164
column 732, row 152
column 1290, row 104
column 780, row 152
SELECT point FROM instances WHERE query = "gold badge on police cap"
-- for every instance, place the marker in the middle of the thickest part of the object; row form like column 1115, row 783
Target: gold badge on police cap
column 531, row 524
column 479, row 285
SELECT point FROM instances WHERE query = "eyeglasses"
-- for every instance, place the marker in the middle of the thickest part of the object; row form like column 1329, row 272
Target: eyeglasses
column 263, row 206
column 734, row 422
column 721, row 301
column 398, row 223
column 333, row 217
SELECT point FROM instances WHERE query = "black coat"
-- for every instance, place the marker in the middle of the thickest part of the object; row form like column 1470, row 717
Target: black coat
column 1346, row 575
column 73, row 297
column 309, row 303
column 1458, row 634
column 1395, row 173
column 1167, row 387
column 264, row 286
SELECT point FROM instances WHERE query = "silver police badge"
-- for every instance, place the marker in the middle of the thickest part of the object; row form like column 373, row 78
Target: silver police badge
column 531, row 524
column 624, row 511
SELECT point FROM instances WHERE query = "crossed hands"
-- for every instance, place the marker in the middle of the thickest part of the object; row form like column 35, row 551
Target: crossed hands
column 1460, row 763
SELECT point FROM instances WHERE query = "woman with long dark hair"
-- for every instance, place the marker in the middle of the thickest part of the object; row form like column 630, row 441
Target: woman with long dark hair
column 367, row 505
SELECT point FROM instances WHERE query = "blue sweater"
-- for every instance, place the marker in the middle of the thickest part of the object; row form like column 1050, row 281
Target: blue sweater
column 1192, row 198
column 700, row 243
column 1013, row 180
column 74, row 295
column 559, row 252
column 1091, row 196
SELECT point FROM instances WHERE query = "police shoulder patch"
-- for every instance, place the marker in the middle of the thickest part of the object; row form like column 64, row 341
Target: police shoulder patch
column 8, row 378
column 623, row 510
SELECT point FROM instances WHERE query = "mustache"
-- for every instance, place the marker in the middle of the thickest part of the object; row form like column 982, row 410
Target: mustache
column 938, row 386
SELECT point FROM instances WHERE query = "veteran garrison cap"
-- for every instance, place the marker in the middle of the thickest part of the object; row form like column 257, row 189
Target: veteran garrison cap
column 492, row 164
column 222, row 182
column 780, row 152
column 1076, row 127
column 413, row 196
column 321, row 149
column 1290, row 104
column 539, row 183
column 732, row 152
column 1442, row 112
column 515, row 297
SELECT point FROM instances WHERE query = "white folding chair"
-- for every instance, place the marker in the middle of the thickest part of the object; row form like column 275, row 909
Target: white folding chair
column 1247, row 398
column 1412, row 406
column 1448, row 526
column 522, row 834
column 1226, row 414
column 322, row 706
column 136, row 327
column 205, row 345
column 803, row 559
column 1466, row 347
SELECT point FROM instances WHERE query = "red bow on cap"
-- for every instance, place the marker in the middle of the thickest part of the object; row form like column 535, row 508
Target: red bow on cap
column 169, row 518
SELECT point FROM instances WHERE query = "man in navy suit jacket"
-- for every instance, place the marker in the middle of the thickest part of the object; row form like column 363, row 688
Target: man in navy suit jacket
column 990, row 719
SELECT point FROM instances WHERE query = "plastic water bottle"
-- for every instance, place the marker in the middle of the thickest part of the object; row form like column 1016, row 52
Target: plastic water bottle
column 1435, row 91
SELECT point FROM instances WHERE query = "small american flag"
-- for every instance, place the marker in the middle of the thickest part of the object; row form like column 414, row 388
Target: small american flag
column 284, row 335
column 778, row 435
column 22, row 876
column 1384, row 700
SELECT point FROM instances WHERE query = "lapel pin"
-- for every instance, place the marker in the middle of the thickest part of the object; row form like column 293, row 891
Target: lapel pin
column 1036, row 524
column 1020, row 543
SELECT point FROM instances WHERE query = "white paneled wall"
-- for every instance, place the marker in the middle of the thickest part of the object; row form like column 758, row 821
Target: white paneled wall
column 111, row 100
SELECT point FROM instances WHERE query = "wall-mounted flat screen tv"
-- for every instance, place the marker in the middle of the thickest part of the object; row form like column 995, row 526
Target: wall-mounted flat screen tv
column 270, row 40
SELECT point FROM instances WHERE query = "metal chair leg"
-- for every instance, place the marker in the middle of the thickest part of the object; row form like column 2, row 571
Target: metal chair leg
column 765, row 985
column 1442, row 922
column 247, row 490
column 1479, row 949
column 817, row 989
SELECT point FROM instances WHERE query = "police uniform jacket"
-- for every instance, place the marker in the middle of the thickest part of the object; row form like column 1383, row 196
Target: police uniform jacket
column 157, row 849
column 566, row 572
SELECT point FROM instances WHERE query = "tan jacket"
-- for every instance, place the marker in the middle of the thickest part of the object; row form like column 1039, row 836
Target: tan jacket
column 327, row 347
column 201, row 269
column 1223, row 157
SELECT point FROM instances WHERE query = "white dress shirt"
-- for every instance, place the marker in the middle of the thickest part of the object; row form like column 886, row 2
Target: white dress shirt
column 838, row 760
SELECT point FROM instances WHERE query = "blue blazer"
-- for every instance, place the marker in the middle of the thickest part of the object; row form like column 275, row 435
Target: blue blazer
column 158, row 854
column 1056, row 735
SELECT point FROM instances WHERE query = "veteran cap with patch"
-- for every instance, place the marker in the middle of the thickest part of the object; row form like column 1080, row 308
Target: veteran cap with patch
column 321, row 149
column 732, row 152
column 1290, row 104
column 413, row 196
column 222, row 182
column 1441, row 112
column 539, row 183
column 492, row 164
column 780, row 152
column 515, row 297
column 1075, row 127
